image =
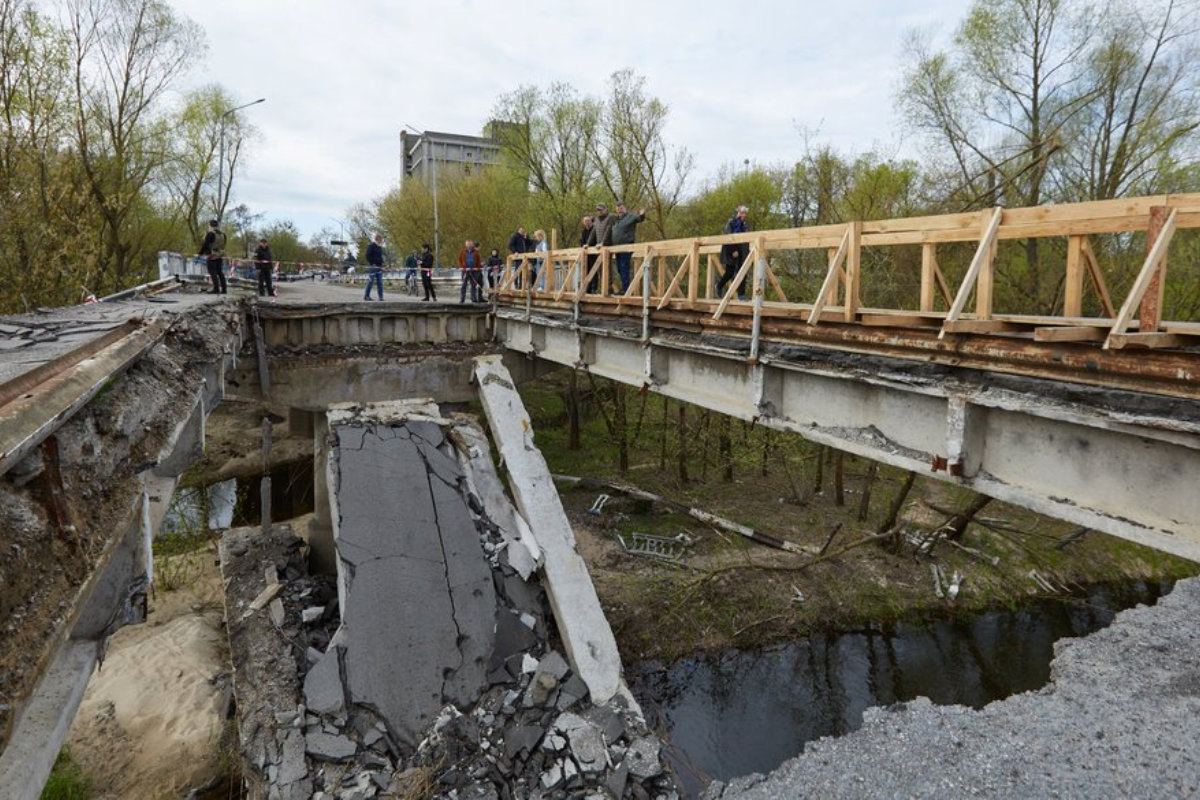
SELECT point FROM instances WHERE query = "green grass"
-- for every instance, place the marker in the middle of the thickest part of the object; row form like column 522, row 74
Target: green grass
column 67, row 781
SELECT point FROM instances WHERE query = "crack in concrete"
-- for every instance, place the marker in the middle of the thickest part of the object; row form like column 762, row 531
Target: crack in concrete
column 446, row 574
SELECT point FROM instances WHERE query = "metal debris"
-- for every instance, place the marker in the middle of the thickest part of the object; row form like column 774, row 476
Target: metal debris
column 598, row 506
column 666, row 548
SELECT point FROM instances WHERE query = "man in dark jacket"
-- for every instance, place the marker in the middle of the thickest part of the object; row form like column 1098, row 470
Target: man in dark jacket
column 265, row 265
column 733, row 255
column 375, row 266
column 585, row 238
column 624, row 231
column 213, row 247
column 427, row 273
column 601, row 227
column 519, row 243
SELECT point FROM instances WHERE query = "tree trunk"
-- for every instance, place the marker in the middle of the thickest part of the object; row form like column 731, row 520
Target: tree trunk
column 766, row 452
column 894, row 512
column 573, row 412
column 682, row 452
column 621, row 428
column 839, row 475
column 819, row 473
column 662, row 439
column 705, row 415
column 725, row 448
column 864, row 505
column 956, row 526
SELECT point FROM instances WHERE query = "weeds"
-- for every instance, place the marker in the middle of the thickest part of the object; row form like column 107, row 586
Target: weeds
column 67, row 781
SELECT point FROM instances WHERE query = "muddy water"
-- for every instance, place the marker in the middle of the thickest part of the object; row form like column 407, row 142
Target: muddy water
column 747, row 712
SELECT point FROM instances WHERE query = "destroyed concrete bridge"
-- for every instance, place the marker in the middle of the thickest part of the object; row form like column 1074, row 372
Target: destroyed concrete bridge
column 1062, row 415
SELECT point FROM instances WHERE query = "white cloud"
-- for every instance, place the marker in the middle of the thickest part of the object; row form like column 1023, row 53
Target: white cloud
column 341, row 79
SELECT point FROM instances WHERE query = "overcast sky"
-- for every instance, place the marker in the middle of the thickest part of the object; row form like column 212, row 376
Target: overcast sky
column 742, row 79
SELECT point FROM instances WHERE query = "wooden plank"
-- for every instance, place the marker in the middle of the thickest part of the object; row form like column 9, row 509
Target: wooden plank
column 1118, row 341
column 982, row 326
column 709, row 282
column 674, row 287
column 576, row 265
column 982, row 254
column 898, row 320
column 1097, row 276
column 1142, row 282
column 605, row 273
column 830, row 283
column 1073, row 283
column 731, row 292
column 1070, row 334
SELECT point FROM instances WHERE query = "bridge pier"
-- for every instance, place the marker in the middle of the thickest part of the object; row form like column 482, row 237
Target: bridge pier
column 322, row 559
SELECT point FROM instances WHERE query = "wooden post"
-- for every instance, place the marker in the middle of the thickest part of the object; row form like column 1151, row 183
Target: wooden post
column 694, row 273
column 928, row 268
column 1150, row 311
column 605, row 274
column 1073, row 285
column 709, row 284
column 986, row 282
column 853, row 276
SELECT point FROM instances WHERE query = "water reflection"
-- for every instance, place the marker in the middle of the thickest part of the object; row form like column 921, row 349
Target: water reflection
column 747, row 712
column 238, row 501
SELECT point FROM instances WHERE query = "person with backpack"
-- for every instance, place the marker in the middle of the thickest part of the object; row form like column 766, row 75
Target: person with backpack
column 213, row 247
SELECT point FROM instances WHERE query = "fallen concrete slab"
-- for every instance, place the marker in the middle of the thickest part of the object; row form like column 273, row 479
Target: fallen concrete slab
column 411, row 572
column 586, row 634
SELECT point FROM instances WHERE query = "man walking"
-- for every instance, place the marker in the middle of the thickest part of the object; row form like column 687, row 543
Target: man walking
column 265, row 264
column 375, row 266
column 471, row 263
column 732, row 255
column 427, row 273
column 213, row 247
column 624, row 231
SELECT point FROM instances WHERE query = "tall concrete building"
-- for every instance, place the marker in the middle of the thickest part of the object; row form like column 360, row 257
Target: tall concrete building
column 432, row 155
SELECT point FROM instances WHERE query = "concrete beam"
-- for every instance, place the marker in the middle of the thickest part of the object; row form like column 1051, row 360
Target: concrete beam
column 585, row 631
column 1119, row 462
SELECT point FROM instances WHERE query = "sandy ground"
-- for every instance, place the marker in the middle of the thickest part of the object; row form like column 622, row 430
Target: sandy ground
column 150, row 723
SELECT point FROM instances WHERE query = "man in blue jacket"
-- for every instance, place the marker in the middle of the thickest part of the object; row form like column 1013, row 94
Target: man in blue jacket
column 375, row 266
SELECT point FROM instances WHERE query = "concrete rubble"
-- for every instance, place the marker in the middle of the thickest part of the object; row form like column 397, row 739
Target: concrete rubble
column 431, row 668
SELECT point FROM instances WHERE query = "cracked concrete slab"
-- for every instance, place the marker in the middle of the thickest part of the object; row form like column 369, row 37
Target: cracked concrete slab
column 419, row 604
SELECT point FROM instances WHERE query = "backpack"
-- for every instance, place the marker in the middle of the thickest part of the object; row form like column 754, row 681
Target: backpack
column 218, row 244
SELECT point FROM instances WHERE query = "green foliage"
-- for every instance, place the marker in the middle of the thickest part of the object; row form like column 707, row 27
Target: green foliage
column 66, row 781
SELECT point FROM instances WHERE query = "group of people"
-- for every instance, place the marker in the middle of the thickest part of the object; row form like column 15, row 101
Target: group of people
column 599, row 230
column 620, row 228
column 213, row 249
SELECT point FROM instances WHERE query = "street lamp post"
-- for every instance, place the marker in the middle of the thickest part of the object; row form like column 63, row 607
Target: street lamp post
column 428, row 145
column 221, row 159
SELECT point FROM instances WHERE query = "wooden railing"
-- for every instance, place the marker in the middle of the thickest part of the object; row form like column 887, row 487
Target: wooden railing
column 683, row 273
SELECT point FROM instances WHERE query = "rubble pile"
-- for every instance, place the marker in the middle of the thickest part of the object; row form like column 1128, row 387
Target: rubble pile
column 384, row 712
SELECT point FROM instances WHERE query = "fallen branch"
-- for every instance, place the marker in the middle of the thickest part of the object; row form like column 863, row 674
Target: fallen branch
column 695, row 513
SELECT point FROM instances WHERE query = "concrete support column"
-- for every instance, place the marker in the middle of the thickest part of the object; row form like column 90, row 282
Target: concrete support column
column 322, row 555
column 300, row 422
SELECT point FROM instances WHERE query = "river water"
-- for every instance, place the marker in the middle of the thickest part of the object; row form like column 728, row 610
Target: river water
column 748, row 711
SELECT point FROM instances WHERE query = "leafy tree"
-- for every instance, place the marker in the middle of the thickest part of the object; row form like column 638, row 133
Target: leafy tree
column 124, row 56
